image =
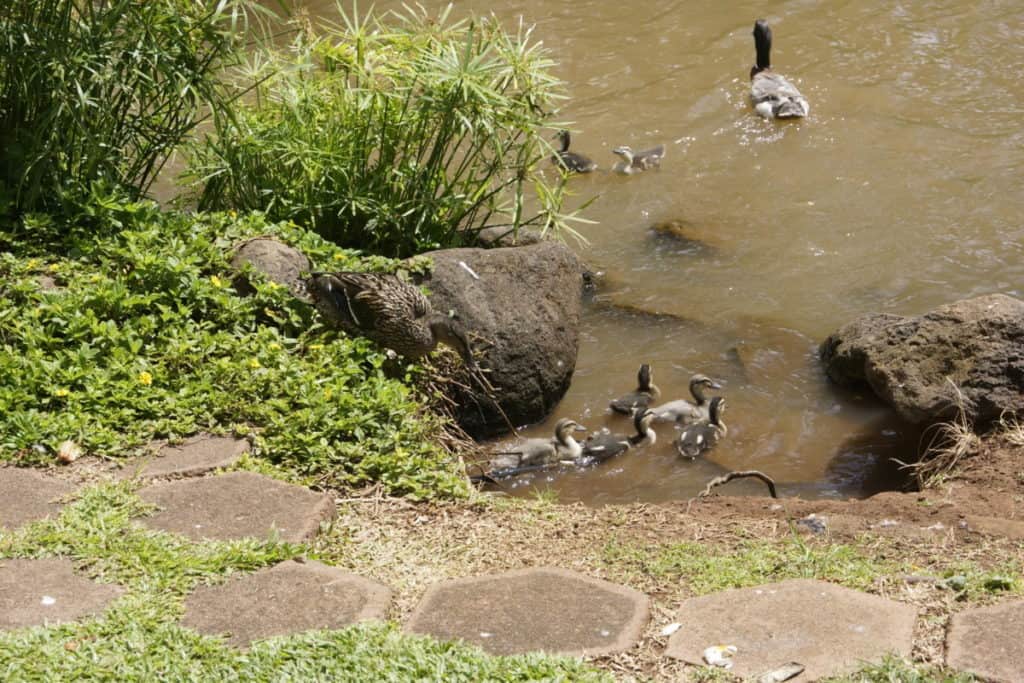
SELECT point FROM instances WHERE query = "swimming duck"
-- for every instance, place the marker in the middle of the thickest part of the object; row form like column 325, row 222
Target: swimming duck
column 703, row 435
column 537, row 453
column 772, row 95
column 635, row 162
column 600, row 447
column 388, row 310
column 646, row 391
column 571, row 161
column 681, row 410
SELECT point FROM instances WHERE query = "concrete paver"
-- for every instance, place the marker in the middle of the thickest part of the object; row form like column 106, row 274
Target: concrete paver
column 48, row 591
column 289, row 597
column 554, row 610
column 989, row 642
column 829, row 629
column 237, row 505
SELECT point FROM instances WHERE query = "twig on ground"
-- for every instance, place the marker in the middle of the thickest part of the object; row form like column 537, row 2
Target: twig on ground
column 729, row 476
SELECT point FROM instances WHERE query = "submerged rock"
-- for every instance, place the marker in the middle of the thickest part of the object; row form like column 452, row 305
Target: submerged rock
column 521, row 307
column 967, row 354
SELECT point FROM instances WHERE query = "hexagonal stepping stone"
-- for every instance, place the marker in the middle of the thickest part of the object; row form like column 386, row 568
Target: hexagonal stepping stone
column 829, row 629
column 988, row 642
column 26, row 496
column 48, row 591
column 554, row 610
column 237, row 505
column 289, row 597
column 198, row 455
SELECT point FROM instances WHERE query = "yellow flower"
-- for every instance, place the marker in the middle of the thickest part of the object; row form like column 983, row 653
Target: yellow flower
column 216, row 281
column 314, row 347
column 233, row 213
column 339, row 257
column 274, row 346
column 254, row 362
column 145, row 379
column 273, row 285
column 61, row 393
column 53, row 267
column 328, row 392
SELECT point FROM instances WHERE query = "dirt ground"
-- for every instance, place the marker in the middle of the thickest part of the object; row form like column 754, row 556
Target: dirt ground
column 975, row 515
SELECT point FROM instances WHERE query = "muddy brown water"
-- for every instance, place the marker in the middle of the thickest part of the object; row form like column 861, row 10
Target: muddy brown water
column 902, row 191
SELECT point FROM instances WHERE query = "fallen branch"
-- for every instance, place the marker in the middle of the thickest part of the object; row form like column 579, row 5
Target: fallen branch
column 729, row 476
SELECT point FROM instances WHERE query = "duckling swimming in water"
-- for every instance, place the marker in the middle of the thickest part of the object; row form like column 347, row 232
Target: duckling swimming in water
column 635, row 162
column 772, row 95
column 703, row 435
column 601, row 447
column 681, row 410
column 535, row 453
column 571, row 161
column 646, row 391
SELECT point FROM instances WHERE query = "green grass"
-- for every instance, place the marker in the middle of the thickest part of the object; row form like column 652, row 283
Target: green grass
column 138, row 638
column 896, row 670
column 147, row 338
column 396, row 133
column 703, row 568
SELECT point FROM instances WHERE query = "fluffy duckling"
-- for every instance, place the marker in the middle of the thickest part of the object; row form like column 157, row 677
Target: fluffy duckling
column 635, row 162
column 601, row 447
column 681, row 410
column 771, row 94
column 646, row 391
column 571, row 161
column 534, row 453
column 703, row 435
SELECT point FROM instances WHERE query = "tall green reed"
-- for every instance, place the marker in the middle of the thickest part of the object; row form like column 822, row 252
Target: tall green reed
column 394, row 134
column 99, row 92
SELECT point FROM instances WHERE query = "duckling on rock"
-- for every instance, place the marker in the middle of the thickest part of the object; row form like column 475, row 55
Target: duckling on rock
column 703, row 435
column 571, row 161
column 635, row 162
column 536, row 453
column 682, row 411
column 601, row 447
column 646, row 391
column 772, row 95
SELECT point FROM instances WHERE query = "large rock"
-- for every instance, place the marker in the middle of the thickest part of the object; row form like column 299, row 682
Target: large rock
column 280, row 262
column 919, row 364
column 521, row 307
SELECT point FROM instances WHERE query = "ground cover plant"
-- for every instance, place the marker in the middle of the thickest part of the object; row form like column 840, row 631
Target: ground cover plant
column 102, row 91
column 144, row 336
column 396, row 134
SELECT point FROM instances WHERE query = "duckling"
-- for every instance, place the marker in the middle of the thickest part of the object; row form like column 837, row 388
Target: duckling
column 635, row 162
column 772, row 95
column 601, row 447
column 537, row 453
column 646, row 391
column 388, row 310
column 571, row 161
column 703, row 435
column 681, row 410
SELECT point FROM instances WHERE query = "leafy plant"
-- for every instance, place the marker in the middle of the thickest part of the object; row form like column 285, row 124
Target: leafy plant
column 393, row 137
column 144, row 336
column 101, row 91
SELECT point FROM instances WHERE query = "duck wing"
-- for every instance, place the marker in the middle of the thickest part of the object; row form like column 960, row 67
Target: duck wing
column 775, row 91
column 628, row 404
column 649, row 158
column 600, row 447
column 680, row 410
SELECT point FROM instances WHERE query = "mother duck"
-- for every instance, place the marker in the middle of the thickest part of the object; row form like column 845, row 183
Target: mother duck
column 772, row 95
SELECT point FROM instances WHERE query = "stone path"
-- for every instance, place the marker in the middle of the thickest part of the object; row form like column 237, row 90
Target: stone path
column 47, row 592
column 289, row 597
column 26, row 496
column 548, row 609
column 825, row 628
